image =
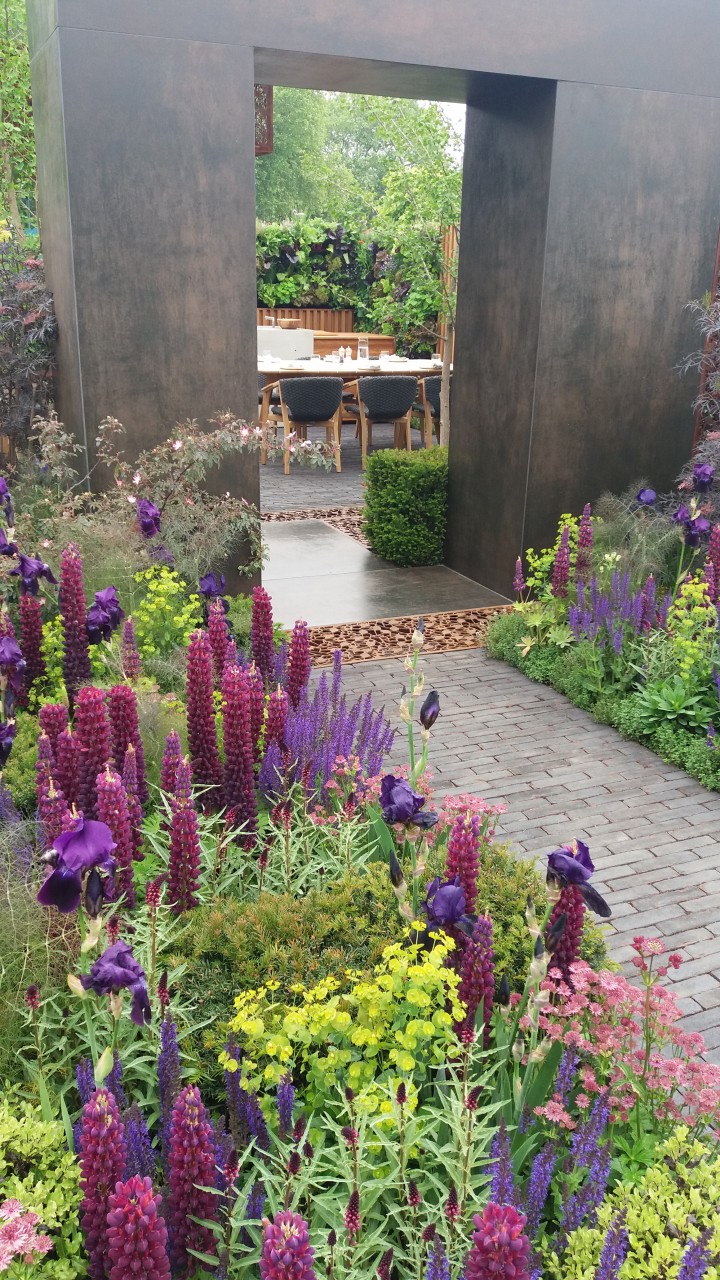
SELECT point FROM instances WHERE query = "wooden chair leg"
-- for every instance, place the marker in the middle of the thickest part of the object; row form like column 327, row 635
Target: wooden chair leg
column 363, row 435
column 335, row 424
column 287, row 432
column 428, row 426
column 408, row 432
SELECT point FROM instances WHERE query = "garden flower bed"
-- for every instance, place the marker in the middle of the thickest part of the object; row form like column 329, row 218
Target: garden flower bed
column 621, row 615
column 267, row 1011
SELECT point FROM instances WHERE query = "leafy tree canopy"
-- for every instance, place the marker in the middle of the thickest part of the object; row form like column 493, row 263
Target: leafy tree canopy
column 17, row 138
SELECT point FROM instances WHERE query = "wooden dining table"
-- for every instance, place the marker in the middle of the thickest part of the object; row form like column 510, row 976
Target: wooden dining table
column 349, row 370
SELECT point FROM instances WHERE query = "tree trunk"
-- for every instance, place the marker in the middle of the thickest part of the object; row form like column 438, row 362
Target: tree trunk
column 445, row 382
column 13, row 207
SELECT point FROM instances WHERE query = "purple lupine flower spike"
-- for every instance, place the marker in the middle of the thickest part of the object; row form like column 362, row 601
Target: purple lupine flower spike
column 71, row 599
column 202, row 732
column 170, row 761
column 129, row 653
column 502, row 1186
column 261, row 632
column 140, row 1154
column 561, row 565
column 614, row 1251
column 519, row 583
column 583, row 561
column 285, row 1104
column 85, row 1078
column 168, row 1081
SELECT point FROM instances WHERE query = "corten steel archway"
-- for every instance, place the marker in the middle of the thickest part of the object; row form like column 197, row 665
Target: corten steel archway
column 590, row 211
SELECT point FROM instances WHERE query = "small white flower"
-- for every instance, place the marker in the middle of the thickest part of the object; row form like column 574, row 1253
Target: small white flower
column 130, row 497
column 177, row 444
column 137, row 478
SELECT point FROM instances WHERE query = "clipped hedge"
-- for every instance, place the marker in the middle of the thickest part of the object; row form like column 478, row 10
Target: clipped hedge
column 406, row 505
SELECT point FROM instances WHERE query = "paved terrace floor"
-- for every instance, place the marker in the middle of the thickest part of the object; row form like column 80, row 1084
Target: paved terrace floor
column 652, row 830
column 307, row 487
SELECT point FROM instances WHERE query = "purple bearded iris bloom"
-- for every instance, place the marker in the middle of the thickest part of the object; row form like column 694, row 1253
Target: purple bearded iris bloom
column 7, row 548
column 148, row 517
column 572, row 865
column 212, row 585
column 6, row 502
column 445, row 905
column 398, row 800
column 12, row 667
column 88, row 845
column 116, row 969
column 430, row 709
column 104, row 615
column 29, row 570
column 646, row 497
column 7, row 735
column 703, row 476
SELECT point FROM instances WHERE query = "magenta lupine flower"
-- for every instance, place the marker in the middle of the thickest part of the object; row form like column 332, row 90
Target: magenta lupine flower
column 191, row 1166
column 137, row 1235
column 463, row 855
column 129, row 653
column 53, row 719
column 135, row 813
column 299, row 663
column 125, row 732
column 218, row 633
column 113, row 810
column 519, row 583
column 53, row 813
column 561, row 566
column 183, row 781
column 31, row 641
column 286, row 1250
column 45, row 762
column 238, row 743
column 648, row 604
column 261, row 633
column 566, row 950
column 583, row 562
column 500, row 1248
column 256, row 686
column 170, row 762
column 71, row 599
column 102, row 1159
column 184, row 860
column 67, row 766
column 477, row 977
column 202, row 733
column 277, row 712
column 94, row 745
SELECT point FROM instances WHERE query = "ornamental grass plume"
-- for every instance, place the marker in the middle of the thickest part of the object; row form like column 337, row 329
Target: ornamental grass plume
column 130, row 659
column 170, row 761
column 463, row 855
column 202, row 733
column 191, row 1167
column 53, row 719
column 477, row 978
column 71, row 600
column 583, row 561
column 102, row 1164
column 286, row 1250
column 113, row 810
column 261, row 633
column 238, row 744
column 277, row 711
column 125, row 732
column 135, row 813
column 500, row 1248
column 219, row 636
column 184, row 858
column 136, row 1232
column 67, row 766
column 561, row 566
column 94, row 745
column 299, row 663
column 30, row 613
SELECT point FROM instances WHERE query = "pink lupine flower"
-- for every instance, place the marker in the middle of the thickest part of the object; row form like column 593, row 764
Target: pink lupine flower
column 71, row 599
column 93, row 740
column 299, row 663
column 561, row 566
column 219, row 635
column 102, row 1162
column 137, row 1235
column 500, row 1248
column 286, row 1250
column 113, row 810
column 202, row 733
column 129, row 654
column 191, row 1167
column 238, row 743
column 125, row 731
column 463, row 855
column 30, row 612
column 261, row 632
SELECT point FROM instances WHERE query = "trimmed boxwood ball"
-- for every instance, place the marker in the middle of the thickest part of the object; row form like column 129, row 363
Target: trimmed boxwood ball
column 406, row 505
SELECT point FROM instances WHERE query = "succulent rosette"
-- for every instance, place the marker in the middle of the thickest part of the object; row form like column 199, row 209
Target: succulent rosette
column 76, row 853
column 117, row 970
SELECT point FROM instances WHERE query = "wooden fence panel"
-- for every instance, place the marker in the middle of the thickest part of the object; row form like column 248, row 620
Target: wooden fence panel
column 311, row 317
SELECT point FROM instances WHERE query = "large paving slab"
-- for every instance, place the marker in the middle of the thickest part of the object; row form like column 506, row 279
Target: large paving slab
column 317, row 573
column 654, row 832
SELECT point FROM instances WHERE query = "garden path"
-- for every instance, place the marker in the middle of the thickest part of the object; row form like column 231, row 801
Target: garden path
column 652, row 830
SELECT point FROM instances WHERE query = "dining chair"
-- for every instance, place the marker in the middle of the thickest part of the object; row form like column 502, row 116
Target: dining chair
column 306, row 401
column 385, row 399
column 429, row 406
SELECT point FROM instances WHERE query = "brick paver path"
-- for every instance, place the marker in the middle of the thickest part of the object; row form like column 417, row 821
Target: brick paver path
column 653, row 831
